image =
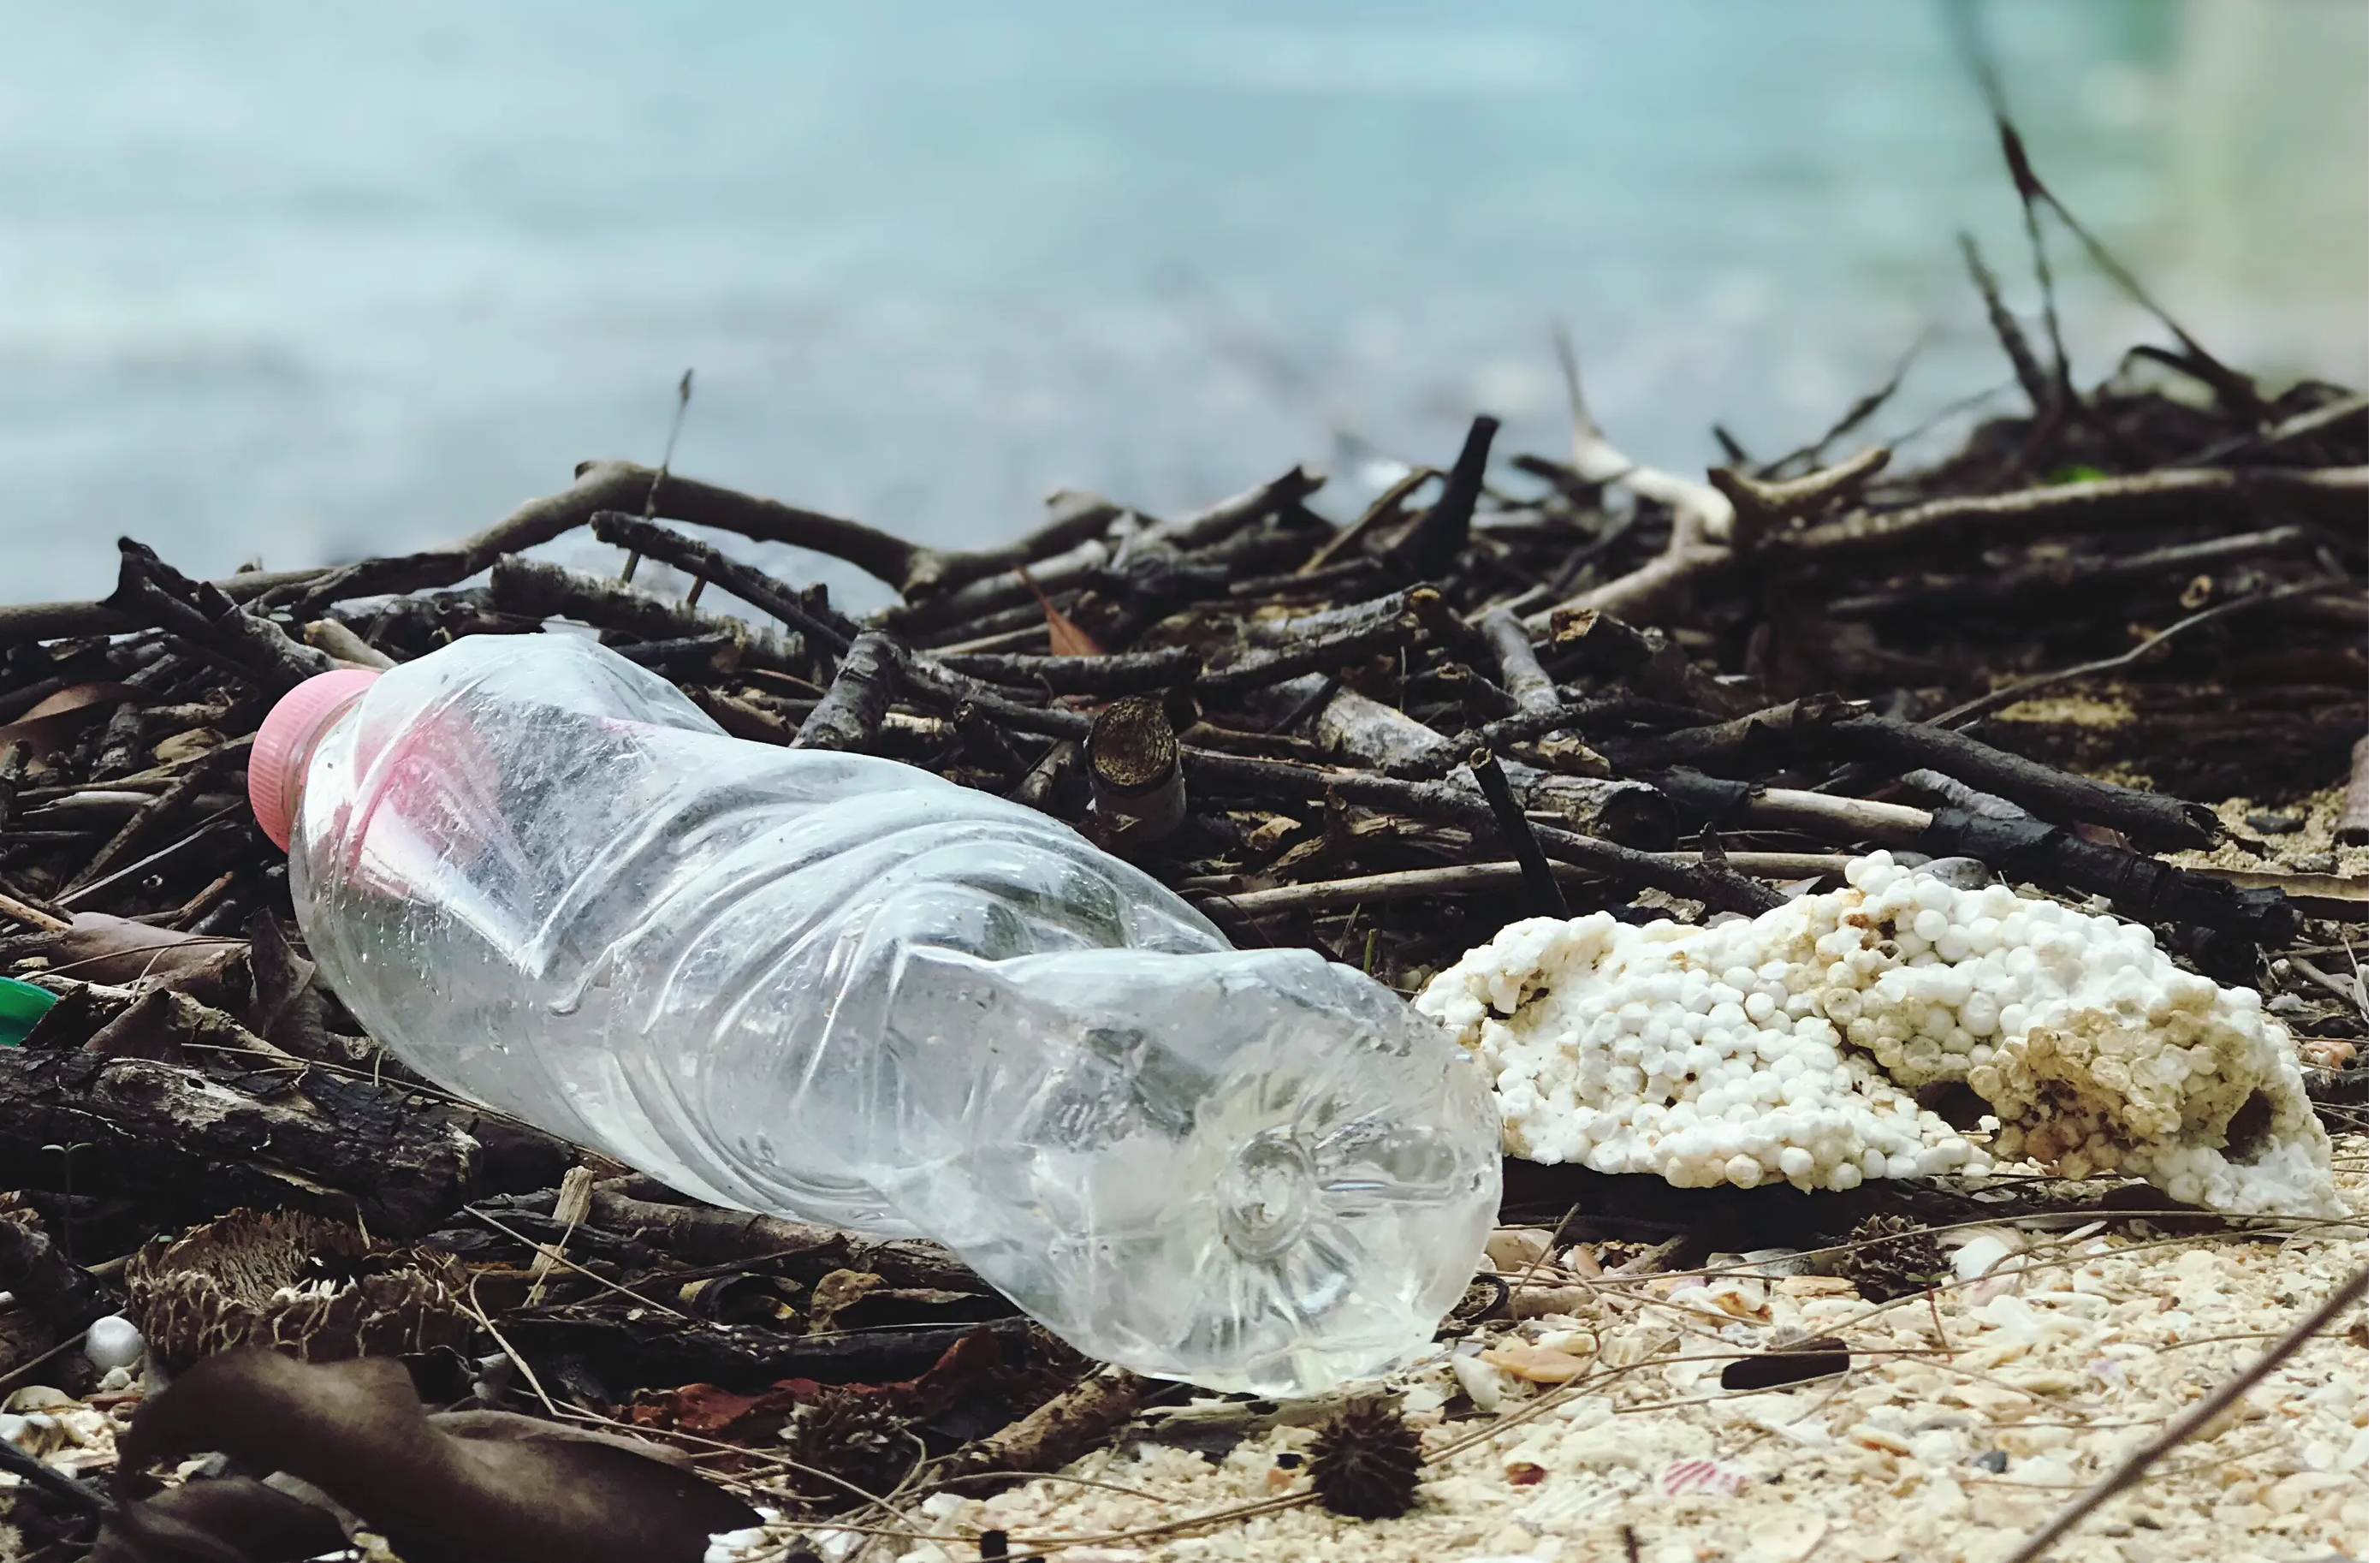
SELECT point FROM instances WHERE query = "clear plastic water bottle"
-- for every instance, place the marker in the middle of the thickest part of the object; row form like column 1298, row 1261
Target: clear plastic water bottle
column 833, row 987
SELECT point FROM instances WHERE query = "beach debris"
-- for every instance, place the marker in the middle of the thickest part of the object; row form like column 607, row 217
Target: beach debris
column 1365, row 1461
column 1787, row 1047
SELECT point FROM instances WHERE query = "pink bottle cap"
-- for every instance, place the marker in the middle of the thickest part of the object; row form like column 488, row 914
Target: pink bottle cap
column 276, row 764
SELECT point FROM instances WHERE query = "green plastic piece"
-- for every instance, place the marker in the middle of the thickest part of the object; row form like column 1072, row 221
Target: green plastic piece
column 21, row 1006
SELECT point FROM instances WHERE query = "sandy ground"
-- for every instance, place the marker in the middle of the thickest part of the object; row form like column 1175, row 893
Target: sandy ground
column 1965, row 1420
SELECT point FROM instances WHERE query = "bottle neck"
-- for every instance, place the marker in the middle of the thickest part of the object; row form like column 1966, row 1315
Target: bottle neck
column 285, row 743
column 301, row 753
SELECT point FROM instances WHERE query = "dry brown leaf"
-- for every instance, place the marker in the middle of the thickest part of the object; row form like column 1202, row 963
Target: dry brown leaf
column 220, row 1518
column 46, row 727
column 1066, row 637
column 118, row 952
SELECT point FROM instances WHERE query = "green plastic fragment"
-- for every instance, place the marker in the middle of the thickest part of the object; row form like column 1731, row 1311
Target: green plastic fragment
column 2078, row 472
column 21, row 1006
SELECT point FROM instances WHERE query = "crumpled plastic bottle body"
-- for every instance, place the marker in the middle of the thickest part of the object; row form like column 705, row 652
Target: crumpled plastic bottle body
column 838, row 988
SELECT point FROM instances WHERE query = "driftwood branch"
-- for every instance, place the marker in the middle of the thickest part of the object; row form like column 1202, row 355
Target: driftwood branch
column 537, row 589
column 1463, row 805
column 707, row 1234
column 1702, row 521
column 2139, row 499
column 1837, row 730
column 703, row 562
column 150, row 591
column 1124, row 673
column 1763, row 505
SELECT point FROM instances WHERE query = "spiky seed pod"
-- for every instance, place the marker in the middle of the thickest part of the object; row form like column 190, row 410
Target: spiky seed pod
column 1901, row 1258
column 856, row 1438
column 1367, row 1463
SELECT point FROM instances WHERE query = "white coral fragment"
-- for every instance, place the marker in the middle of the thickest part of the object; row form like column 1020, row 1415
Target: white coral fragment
column 1786, row 1047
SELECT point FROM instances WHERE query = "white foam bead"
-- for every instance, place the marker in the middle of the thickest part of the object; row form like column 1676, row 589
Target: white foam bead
column 113, row 1341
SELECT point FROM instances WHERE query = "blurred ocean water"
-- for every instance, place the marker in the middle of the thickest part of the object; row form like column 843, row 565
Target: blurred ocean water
column 303, row 283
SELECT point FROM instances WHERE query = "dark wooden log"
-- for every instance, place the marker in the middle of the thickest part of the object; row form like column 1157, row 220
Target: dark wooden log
column 2151, row 819
column 2138, row 885
column 657, row 1351
column 61, row 1293
column 188, row 1147
column 1829, row 726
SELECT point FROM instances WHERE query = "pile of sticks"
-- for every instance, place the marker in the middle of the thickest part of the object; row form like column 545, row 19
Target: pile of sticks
column 1550, row 687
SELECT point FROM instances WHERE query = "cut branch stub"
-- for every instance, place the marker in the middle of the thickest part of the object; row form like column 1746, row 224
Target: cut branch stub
column 1431, row 545
column 1135, row 763
column 856, row 702
column 1536, row 875
column 1761, row 505
column 2355, row 814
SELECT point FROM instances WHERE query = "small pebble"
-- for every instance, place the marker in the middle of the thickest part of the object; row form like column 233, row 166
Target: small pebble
column 1480, row 1380
column 1976, row 1257
column 2276, row 824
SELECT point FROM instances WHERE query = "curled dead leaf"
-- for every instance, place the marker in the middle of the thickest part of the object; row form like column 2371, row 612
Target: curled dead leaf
column 224, row 1519
column 1066, row 637
column 484, row 1491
